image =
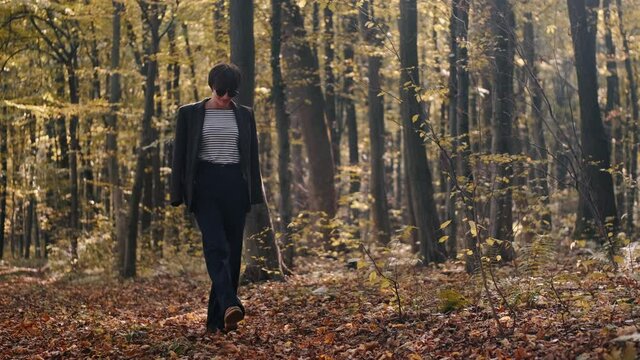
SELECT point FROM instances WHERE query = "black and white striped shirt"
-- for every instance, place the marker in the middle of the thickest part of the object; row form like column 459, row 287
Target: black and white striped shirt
column 219, row 140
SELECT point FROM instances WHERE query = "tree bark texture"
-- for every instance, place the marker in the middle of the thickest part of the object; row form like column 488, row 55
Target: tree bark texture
column 538, row 147
column 307, row 104
column 632, row 167
column 597, row 208
column 283, row 123
column 262, row 254
column 414, row 120
column 450, row 200
column 501, row 217
column 381, row 225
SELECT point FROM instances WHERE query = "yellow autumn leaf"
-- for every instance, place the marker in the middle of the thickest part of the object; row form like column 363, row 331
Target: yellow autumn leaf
column 445, row 224
column 472, row 228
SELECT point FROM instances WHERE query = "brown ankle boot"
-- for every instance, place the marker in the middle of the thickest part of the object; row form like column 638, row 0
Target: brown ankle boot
column 232, row 316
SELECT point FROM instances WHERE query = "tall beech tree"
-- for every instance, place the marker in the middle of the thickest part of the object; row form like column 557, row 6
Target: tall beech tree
column 172, row 84
column 370, row 28
column 111, row 143
column 3, row 172
column 597, row 214
column 450, row 200
column 283, row 122
column 502, row 25
column 538, row 147
column 632, row 100
column 153, row 14
column 350, row 116
column 220, row 26
column 413, row 121
column 307, row 104
column 330, row 84
column 88, row 177
column 463, row 163
column 192, row 62
column 612, row 112
column 262, row 253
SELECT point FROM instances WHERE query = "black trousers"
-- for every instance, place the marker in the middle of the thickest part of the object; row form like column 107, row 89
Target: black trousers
column 220, row 201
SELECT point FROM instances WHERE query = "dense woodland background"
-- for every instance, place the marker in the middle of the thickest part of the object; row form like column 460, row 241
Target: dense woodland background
column 495, row 136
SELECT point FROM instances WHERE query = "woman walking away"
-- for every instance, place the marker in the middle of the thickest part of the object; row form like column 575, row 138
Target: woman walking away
column 215, row 171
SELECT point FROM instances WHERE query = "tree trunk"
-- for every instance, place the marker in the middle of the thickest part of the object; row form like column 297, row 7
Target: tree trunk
column 159, row 188
column 381, row 225
column 300, row 193
column 3, row 174
column 450, row 199
column 172, row 89
column 111, row 144
column 152, row 182
column 462, row 118
column 30, row 229
column 329, row 83
column 315, row 28
column 62, row 160
column 242, row 47
column 147, row 196
column 400, row 178
column 501, row 203
column 597, row 208
column 220, row 27
column 262, row 255
column 350, row 24
column 192, row 64
column 283, row 123
column 14, row 222
column 354, row 153
column 414, row 121
column 561, row 158
column 474, row 116
column 410, row 217
column 538, row 148
column 26, row 229
column 309, row 105
column 632, row 169
column 151, row 65
column 61, row 127
column 87, row 169
column 482, row 169
column 442, row 118
column 29, row 234
column 37, row 234
column 486, row 105
column 173, row 68
column 612, row 112
column 74, row 213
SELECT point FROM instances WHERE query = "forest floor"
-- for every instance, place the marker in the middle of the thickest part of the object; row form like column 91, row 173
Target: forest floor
column 326, row 311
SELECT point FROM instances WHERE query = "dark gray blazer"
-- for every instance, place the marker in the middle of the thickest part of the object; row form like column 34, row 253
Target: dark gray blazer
column 186, row 146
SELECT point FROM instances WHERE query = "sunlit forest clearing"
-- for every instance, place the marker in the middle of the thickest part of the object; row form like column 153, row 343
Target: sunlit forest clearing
column 441, row 179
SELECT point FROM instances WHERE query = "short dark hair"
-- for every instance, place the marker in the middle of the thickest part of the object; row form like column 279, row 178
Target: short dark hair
column 224, row 76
